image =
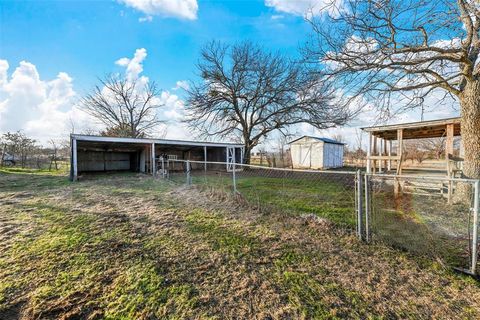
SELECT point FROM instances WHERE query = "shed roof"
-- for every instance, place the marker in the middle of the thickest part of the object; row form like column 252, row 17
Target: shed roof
column 416, row 130
column 326, row 140
column 80, row 137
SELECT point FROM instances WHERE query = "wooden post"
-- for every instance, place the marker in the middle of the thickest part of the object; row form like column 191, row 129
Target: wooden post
column 380, row 153
column 154, row 169
column 375, row 152
column 389, row 154
column 74, row 160
column 385, row 153
column 369, row 153
column 449, row 141
column 399, row 151
column 448, row 153
column 205, row 158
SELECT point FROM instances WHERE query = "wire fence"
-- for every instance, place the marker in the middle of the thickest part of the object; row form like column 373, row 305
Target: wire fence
column 429, row 216
column 325, row 194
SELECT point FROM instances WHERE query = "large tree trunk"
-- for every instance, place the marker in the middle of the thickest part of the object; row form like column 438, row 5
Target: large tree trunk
column 246, row 153
column 470, row 104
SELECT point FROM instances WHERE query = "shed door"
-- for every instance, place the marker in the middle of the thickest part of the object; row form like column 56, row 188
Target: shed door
column 305, row 155
column 230, row 158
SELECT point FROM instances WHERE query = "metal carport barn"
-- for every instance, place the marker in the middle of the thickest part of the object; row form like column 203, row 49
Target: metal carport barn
column 101, row 154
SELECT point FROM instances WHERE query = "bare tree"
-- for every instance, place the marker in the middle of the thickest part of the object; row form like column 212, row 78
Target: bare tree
column 248, row 93
column 338, row 137
column 127, row 108
column 359, row 138
column 435, row 146
column 53, row 155
column 398, row 53
column 415, row 150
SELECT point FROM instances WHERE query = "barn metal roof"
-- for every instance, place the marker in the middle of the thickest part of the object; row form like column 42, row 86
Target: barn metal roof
column 80, row 137
column 326, row 140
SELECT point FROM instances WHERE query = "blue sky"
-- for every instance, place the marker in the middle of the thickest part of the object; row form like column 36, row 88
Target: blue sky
column 52, row 53
column 84, row 38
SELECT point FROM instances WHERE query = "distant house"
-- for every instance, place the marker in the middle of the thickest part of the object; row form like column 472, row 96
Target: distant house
column 316, row 153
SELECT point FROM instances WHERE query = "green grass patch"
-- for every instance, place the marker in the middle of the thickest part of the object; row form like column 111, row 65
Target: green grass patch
column 222, row 235
column 323, row 197
column 310, row 296
column 142, row 292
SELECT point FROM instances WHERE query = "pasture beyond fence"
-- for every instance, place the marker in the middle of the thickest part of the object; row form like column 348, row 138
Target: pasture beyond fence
column 432, row 217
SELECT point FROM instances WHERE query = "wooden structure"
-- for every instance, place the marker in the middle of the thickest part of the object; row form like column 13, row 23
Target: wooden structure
column 97, row 154
column 381, row 154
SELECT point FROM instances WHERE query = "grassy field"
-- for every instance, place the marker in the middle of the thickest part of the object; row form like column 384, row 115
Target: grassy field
column 418, row 223
column 131, row 247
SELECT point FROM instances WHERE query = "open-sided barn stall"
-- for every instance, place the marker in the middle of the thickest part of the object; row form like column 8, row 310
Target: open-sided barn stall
column 101, row 154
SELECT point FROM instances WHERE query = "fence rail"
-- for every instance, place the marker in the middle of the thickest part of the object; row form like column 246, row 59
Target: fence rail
column 434, row 217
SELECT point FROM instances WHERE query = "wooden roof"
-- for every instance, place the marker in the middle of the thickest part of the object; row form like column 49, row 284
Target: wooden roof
column 416, row 130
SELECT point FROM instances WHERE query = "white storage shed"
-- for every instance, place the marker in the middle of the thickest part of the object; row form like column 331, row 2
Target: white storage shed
column 316, row 153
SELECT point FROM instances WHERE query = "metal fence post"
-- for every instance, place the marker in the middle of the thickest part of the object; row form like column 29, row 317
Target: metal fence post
column 476, row 209
column 234, row 177
column 359, row 206
column 189, row 180
column 367, row 207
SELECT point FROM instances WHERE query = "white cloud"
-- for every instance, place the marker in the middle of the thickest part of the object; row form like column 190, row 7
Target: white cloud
column 145, row 19
column 173, row 106
column 40, row 108
column 306, row 7
column 3, row 72
column 45, row 109
column 183, row 9
column 181, row 84
column 135, row 65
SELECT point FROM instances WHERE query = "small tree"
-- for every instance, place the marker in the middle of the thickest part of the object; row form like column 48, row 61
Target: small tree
column 248, row 93
column 127, row 108
column 18, row 146
column 53, row 155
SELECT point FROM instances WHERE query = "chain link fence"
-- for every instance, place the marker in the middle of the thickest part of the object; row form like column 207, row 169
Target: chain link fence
column 325, row 194
column 428, row 216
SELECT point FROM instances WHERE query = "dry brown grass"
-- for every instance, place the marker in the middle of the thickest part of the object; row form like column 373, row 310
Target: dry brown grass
column 134, row 248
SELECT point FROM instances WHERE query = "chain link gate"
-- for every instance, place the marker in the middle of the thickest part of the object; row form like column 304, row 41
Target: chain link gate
column 434, row 217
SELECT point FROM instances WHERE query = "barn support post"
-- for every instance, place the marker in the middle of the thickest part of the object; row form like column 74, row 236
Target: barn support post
column 188, row 169
column 476, row 212
column 385, row 152
column 400, row 151
column 205, row 158
column 369, row 153
column 448, row 153
column 389, row 155
column 380, row 153
column 359, row 205
column 234, row 169
column 74, row 160
column 154, row 169
column 397, row 186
